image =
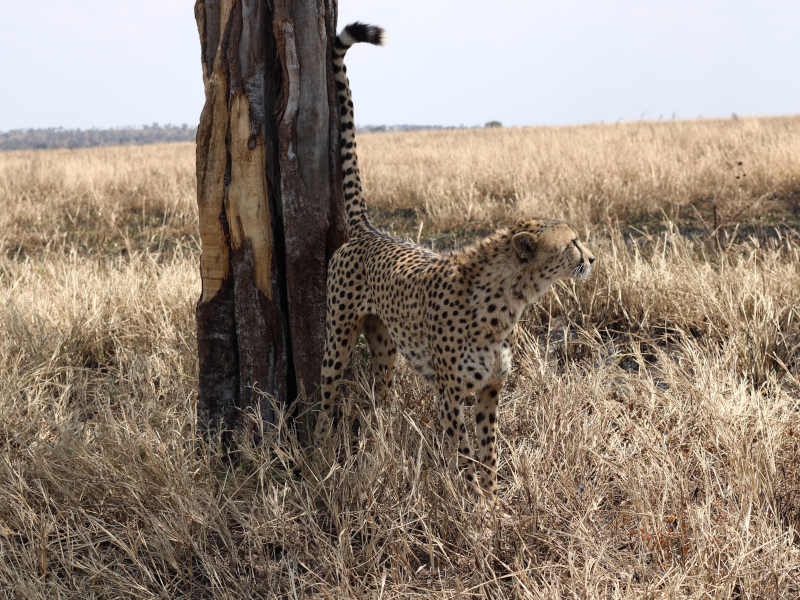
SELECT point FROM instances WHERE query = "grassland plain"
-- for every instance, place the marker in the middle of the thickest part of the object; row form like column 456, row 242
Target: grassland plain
column 650, row 431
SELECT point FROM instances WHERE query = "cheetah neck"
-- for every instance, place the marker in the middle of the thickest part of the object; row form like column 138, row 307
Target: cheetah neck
column 494, row 279
column 494, row 258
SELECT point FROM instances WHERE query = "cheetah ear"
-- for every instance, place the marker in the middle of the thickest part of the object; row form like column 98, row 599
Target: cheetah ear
column 524, row 245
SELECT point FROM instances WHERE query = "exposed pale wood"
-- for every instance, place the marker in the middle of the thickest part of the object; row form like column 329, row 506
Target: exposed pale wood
column 211, row 160
column 247, row 208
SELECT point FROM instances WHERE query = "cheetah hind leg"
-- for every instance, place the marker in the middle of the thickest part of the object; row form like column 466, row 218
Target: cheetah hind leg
column 340, row 338
column 384, row 354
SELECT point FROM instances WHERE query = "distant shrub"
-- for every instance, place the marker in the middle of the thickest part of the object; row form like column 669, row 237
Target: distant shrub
column 493, row 124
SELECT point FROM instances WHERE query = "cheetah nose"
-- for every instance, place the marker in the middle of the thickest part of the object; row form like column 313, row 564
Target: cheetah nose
column 591, row 259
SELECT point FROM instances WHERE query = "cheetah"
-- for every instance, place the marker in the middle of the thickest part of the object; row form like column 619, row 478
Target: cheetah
column 450, row 315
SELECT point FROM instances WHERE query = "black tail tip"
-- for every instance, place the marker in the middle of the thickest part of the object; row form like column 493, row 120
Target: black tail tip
column 361, row 32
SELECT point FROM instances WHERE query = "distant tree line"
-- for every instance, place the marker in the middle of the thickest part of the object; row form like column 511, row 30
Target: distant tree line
column 380, row 128
column 58, row 137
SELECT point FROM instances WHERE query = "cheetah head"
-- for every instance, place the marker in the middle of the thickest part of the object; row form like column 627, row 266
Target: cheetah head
column 549, row 251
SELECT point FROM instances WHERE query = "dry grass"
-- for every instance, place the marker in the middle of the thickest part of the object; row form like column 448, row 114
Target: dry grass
column 98, row 201
column 650, row 432
column 749, row 169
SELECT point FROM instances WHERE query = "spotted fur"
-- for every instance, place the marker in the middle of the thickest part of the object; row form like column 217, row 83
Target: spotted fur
column 450, row 315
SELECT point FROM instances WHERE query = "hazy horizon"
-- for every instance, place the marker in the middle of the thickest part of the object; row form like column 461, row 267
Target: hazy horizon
column 110, row 66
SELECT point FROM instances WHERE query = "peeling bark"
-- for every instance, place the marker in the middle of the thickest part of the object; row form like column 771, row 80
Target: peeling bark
column 269, row 196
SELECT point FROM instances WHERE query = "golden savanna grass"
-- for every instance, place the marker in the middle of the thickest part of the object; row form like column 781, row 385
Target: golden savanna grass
column 649, row 433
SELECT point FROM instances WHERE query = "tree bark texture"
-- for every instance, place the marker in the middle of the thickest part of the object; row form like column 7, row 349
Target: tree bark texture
column 269, row 199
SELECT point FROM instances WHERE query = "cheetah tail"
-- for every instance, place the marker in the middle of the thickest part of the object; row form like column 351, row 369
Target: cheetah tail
column 355, row 205
column 359, row 32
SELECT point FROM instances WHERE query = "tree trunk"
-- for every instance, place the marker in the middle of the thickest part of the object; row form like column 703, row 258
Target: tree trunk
column 269, row 197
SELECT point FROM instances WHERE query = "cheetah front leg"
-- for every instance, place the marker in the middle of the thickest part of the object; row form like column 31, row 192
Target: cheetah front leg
column 451, row 421
column 485, row 432
column 384, row 354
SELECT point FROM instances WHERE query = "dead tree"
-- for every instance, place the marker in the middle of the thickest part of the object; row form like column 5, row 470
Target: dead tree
column 269, row 197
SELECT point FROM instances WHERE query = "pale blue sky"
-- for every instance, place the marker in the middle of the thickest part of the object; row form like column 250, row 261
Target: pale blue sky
column 102, row 63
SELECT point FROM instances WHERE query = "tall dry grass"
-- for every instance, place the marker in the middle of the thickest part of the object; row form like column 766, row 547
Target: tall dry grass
column 747, row 168
column 99, row 200
column 649, row 433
